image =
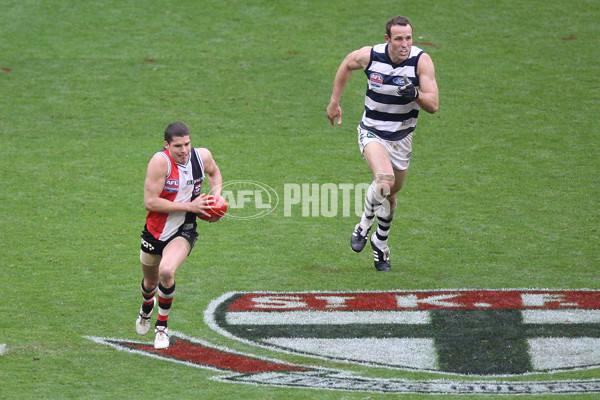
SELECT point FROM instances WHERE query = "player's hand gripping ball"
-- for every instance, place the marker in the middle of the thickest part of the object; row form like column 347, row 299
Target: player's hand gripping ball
column 216, row 210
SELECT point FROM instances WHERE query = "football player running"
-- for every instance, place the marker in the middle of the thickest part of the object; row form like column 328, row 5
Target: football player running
column 172, row 197
column 401, row 81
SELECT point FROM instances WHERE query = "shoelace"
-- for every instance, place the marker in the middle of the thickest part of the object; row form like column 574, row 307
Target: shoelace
column 358, row 232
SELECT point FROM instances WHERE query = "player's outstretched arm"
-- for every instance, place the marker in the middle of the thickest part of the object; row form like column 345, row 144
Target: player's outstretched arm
column 356, row 60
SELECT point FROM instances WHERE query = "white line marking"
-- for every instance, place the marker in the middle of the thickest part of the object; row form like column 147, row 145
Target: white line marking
column 559, row 353
column 401, row 352
column 561, row 316
column 327, row 317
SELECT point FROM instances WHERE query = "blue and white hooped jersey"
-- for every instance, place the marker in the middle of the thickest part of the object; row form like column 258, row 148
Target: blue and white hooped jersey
column 388, row 115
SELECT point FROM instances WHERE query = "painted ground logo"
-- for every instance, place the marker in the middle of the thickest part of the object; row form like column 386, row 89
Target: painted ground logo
column 484, row 333
column 490, row 340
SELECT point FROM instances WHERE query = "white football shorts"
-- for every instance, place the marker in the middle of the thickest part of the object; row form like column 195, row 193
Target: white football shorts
column 399, row 150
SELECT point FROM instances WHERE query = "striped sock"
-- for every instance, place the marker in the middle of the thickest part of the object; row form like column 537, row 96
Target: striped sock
column 383, row 225
column 373, row 201
column 165, row 299
column 148, row 303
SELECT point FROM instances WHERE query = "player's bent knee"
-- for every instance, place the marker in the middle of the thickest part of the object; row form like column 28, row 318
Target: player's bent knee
column 166, row 275
column 384, row 183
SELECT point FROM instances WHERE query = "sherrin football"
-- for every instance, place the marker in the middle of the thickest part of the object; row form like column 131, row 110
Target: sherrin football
column 216, row 210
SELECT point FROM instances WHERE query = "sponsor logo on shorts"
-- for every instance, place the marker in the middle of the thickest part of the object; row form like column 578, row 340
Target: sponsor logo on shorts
column 365, row 135
column 147, row 245
column 490, row 340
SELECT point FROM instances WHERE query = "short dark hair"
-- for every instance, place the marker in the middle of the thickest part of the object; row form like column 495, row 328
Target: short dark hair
column 398, row 20
column 176, row 129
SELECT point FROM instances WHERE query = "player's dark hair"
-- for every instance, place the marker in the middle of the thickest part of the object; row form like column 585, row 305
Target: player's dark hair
column 399, row 20
column 176, row 129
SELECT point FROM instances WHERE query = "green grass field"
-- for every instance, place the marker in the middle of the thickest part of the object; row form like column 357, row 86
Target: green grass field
column 502, row 191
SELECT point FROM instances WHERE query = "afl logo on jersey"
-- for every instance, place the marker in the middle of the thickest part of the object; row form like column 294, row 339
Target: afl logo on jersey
column 172, row 185
column 375, row 80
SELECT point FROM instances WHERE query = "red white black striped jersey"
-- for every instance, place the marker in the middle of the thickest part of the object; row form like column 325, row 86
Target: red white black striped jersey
column 183, row 183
